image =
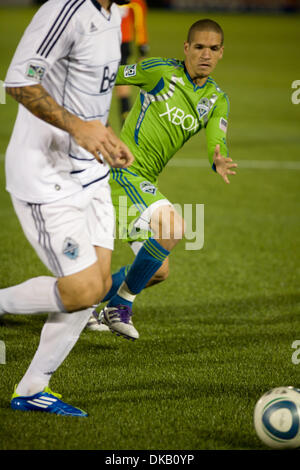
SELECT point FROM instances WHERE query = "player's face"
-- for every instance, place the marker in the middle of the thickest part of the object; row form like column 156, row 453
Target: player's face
column 203, row 53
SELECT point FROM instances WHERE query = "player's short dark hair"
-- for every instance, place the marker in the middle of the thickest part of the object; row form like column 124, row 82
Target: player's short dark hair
column 205, row 25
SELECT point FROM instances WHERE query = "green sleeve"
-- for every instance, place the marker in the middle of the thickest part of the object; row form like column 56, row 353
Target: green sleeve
column 216, row 128
column 143, row 74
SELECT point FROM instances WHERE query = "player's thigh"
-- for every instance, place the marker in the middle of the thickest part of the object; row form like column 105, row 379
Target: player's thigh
column 58, row 233
column 82, row 289
column 104, row 261
column 101, row 226
column 91, row 284
column 134, row 199
column 88, row 287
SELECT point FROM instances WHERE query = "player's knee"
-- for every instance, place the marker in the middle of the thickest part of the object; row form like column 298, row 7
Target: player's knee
column 178, row 227
column 167, row 224
column 81, row 296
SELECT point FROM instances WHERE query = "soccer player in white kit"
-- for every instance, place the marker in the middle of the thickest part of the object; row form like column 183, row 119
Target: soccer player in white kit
column 57, row 169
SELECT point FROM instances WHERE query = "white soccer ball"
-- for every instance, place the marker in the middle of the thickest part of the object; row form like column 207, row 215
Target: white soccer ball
column 277, row 418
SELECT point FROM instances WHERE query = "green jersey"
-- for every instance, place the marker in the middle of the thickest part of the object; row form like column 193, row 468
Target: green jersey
column 169, row 111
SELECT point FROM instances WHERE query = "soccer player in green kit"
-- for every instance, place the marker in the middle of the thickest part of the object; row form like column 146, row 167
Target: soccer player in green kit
column 177, row 99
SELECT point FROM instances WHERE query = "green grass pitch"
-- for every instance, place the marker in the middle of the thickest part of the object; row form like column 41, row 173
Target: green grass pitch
column 219, row 332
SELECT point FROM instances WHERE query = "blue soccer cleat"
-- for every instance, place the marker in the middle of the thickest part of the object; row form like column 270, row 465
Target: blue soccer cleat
column 46, row 401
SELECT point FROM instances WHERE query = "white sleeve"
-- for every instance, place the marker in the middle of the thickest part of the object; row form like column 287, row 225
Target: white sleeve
column 48, row 38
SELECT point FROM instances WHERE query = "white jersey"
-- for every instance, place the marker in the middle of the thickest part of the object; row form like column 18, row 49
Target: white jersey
column 71, row 47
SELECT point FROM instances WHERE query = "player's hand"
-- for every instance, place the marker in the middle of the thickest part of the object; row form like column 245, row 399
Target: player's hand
column 223, row 165
column 96, row 139
column 124, row 157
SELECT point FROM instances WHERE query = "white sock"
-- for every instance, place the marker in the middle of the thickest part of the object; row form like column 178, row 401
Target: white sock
column 37, row 295
column 125, row 293
column 59, row 334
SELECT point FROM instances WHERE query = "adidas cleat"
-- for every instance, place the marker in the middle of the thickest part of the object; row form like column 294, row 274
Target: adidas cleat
column 94, row 325
column 46, row 401
column 118, row 320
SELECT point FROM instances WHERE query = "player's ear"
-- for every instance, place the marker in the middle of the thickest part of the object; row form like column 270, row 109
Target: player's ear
column 186, row 47
column 221, row 52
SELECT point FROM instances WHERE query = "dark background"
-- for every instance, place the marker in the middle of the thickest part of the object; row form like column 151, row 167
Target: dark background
column 222, row 5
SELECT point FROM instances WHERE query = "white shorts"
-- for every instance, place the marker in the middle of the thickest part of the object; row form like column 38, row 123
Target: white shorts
column 64, row 233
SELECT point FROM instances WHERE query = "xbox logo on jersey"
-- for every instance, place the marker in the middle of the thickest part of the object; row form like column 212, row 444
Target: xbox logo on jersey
column 178, row 117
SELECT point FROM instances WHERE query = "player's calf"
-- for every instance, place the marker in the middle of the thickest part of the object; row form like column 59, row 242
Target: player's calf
column 161, row 274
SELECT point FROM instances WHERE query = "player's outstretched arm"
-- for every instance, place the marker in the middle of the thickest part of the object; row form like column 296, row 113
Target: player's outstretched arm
column 91, row 135
column 223, row 165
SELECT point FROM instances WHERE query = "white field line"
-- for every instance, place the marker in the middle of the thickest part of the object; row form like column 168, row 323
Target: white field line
column 244, row 164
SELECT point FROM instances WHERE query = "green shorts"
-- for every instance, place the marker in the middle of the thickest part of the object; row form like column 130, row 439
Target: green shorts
column 134, row 200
